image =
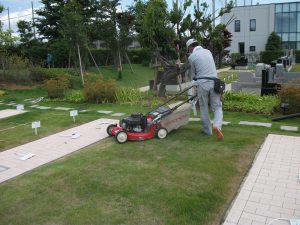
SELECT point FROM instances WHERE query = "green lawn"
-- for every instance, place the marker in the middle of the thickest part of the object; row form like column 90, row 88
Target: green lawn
column 187, row 178
column 137, row 77
column 296, row 68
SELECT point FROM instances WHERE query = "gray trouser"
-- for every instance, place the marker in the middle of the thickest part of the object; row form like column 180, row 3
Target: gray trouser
column 206, row 94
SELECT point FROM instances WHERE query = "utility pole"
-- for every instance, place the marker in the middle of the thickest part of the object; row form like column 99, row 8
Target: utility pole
column 214, row 9
column 33, row 23
column 8, row 19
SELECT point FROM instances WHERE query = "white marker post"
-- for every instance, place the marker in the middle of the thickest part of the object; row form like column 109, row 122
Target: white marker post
column 20, row 107
column 74, row 113
column 35, row 125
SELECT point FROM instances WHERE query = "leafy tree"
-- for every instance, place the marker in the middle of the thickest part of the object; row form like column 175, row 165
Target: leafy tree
column 52, row 12
column 30, row 48
column 71, row 27
column 177, row 14
column 153, row 25
column 25, row 31
column 273, row 42
column 220, row 39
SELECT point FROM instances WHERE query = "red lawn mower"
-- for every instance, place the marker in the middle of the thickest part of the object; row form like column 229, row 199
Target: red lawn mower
column 157, row 123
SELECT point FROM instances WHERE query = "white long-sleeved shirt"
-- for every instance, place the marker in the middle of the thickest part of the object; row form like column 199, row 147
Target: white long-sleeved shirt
column 202, row 63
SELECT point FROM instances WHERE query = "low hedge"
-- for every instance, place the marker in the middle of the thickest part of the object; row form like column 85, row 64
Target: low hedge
column 250, row 103
column 269, row 56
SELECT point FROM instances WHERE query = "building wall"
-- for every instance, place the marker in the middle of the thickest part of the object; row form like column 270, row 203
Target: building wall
column 264, row 15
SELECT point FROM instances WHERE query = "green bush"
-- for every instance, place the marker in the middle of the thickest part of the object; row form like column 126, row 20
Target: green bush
column 38, row 74
column 250, row 103
column 57, row 87
column 297, row 53
column 139, row 55
column 269, row 56
column 101, row 91
column 2, row 93
column 59, row 50
column 128, row 95
column 290, row 93
column 101, row 56
column 234, row 57
column 16, row 76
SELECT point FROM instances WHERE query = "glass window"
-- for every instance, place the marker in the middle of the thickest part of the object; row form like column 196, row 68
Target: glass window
column 298, row 45
column 292, row 37
column 237, row 26
column 298, row 37
column 298, row 6
column 298, row 22
column 285, row 37
column 278, row 22
column 293, row 7
column 253, row 25
column 279, row 8
column 285, row 22
column 293, row 22
column 286, row 7
column 252, row 48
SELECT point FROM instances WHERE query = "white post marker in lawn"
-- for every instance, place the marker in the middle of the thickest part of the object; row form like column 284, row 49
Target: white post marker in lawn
column 35, row 125
column 20, row 107
column 74, row 113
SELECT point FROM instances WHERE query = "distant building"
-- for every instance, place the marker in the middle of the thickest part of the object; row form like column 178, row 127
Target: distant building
column 251, row 26
column 102, row 44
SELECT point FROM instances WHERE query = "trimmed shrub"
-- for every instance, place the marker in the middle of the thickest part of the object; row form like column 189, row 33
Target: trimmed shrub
column 139, row 55
column 100, row 91
column 128, row 95
column 290, row 93
column 250, row 103
column 57, row 87
column 269, row 56
column 297, row 53
column 2, row 93
column 234, row 57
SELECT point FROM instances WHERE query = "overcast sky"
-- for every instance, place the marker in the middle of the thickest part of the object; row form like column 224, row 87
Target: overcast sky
column 21, row 9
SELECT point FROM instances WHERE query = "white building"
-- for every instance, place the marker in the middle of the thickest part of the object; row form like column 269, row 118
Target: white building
column 251, row 26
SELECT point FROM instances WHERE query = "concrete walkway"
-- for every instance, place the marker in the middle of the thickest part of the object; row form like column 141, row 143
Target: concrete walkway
column 26, row 157
column 270, row 193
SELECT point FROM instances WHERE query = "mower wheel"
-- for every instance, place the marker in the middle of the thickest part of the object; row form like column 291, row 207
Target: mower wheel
column 109, row 129
column 121, row 137
column 161, row 133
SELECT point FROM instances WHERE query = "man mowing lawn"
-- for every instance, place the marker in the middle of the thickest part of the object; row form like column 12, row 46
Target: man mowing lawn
column 203, row 71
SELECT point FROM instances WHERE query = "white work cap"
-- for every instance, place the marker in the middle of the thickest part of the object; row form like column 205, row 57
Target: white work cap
column 190, row 41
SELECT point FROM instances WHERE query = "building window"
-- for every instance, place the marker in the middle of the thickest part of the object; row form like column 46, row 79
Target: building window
column 286, row 7
column 285, row 22
column 278, row 8
column 252, row 48
column 237, row 26
column 293, row 22
column 253, row 25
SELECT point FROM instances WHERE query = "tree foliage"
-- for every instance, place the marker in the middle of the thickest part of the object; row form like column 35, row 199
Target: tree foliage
column 273, row 42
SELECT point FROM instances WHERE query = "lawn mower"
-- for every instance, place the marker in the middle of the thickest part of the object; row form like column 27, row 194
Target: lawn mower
column 156, row 123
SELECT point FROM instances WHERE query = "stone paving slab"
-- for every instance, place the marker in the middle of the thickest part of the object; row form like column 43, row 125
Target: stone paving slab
column 118, row 114
column 63, row 108
column 104, row 111
column 43, row 107
column 255, row 124
column 289, row 128
column 271, row 189
column 52, row 147
column 10, row 112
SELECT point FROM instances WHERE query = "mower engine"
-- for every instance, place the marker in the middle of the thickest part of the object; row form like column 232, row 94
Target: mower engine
column 137, row 122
